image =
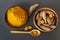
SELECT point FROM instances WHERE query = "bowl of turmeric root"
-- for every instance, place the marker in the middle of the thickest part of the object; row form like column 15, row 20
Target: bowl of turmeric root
column 45, row 19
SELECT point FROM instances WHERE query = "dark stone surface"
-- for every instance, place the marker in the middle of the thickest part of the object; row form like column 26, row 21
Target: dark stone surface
column 5, row 29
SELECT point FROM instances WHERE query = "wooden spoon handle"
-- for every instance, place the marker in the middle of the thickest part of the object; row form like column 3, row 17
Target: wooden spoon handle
column 19, row 32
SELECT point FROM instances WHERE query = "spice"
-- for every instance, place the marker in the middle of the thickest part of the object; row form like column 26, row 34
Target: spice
column 41, row 21
column 28, row 28
column 32, row 8
column 35, row 32
column 16, row 16
column 50, row 16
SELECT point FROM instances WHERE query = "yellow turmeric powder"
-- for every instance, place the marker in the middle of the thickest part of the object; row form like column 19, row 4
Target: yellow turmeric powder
column 16, row 16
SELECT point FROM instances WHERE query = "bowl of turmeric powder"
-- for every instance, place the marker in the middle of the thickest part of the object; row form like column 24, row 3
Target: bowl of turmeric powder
column 16, row 16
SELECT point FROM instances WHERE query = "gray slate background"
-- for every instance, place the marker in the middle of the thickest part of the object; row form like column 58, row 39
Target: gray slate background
column 4, row 28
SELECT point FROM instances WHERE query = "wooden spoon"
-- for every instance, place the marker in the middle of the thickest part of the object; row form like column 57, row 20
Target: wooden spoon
column 33, row 32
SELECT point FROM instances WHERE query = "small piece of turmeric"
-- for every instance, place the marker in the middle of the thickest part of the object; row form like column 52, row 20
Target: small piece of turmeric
column 28, row 28
column 41, row 21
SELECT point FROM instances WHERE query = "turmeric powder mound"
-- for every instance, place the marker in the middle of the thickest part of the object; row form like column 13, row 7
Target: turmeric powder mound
column 16, row 16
